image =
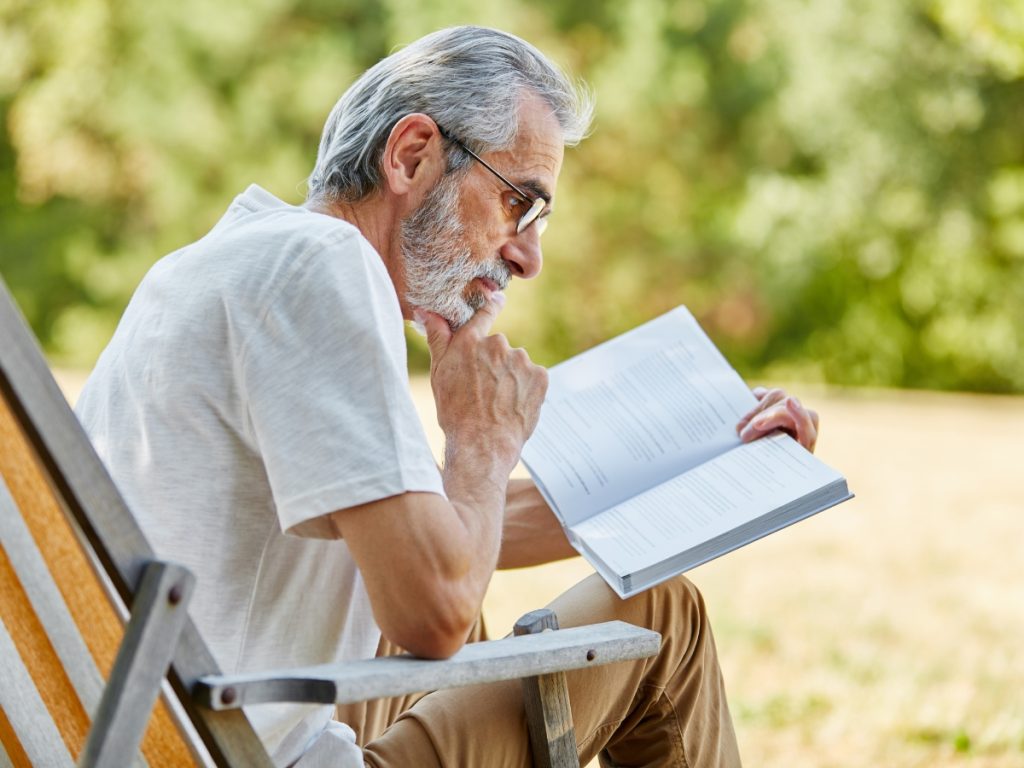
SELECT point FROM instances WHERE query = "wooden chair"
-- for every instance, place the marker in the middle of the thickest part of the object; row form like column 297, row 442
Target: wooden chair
column 77, row 686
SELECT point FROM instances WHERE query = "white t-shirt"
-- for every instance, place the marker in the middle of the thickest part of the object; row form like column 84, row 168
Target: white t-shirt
column 256, row 382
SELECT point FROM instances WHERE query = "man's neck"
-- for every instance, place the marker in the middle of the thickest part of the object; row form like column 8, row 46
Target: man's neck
column 380, row 224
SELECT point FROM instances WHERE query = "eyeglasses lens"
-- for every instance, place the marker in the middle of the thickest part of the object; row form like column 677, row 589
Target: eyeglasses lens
column 531, row 217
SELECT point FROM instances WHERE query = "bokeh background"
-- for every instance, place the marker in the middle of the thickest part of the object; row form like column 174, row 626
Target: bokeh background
column 834, row 187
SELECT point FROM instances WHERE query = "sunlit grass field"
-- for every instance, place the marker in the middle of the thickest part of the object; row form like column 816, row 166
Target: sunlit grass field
column 888, row 631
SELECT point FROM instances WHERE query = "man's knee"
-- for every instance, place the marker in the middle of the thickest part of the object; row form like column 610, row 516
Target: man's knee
column 671, row 603
column 679, row 614
column 675, row 608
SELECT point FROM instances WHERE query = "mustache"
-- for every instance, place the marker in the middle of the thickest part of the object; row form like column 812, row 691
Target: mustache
column 498, row 272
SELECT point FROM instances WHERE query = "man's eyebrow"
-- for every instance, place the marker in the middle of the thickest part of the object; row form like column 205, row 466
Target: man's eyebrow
column 536, row 188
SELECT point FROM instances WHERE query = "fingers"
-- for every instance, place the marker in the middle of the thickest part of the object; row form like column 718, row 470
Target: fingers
column 766, row 399
column 786, row 414
column 805, row 422
column 439, row 333
column 488, row 395
column 482, row 320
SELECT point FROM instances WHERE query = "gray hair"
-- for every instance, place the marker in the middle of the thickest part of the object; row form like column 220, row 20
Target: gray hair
column 470, row 80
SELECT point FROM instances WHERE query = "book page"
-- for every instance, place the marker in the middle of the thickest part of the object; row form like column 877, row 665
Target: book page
column 633, row 412
column 708, row 501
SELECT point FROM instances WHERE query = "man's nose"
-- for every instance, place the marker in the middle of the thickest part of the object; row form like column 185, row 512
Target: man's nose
column 523, row 254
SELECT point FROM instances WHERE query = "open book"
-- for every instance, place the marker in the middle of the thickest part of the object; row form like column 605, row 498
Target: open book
column 637, row 454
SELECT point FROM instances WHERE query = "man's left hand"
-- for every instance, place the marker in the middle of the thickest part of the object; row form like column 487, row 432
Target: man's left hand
column 777, row 410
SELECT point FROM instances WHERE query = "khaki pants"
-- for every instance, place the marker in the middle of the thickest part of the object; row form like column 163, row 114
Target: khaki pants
column 669, row 710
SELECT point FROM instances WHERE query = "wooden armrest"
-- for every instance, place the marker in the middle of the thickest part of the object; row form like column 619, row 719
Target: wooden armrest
column 486, row 662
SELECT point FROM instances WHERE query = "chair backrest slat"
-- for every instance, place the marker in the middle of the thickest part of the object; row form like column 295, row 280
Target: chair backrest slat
column 47, row 603
column 12, row 754
column 49, row 608
column 5, row 760
column 35, row 734
column 67, row 630
column 53, row 458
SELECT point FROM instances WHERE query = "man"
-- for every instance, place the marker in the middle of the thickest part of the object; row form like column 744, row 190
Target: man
column 253, row 406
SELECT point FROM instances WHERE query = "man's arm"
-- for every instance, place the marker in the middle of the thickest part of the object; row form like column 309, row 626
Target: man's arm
column 531, row 534
column 426, row 560
column 439, row 580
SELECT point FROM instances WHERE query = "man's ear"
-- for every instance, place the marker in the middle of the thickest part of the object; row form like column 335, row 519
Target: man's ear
column 414, row 158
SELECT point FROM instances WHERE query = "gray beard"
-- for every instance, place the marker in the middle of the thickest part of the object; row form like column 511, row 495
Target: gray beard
column 436, row 262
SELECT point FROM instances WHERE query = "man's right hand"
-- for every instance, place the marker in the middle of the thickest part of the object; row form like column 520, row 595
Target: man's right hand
column 488, row 395
column 426, row 560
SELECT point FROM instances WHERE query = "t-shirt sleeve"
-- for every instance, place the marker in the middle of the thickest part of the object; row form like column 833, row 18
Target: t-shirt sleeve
column 323, row 374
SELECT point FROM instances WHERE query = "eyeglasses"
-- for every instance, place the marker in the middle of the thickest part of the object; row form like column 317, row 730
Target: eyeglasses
column 537, row 206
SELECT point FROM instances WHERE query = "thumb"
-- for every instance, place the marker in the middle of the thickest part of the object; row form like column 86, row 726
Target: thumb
column 439, row 333
column 482, row 320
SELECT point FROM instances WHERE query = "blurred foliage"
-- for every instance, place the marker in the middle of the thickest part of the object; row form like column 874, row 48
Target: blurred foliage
column 836, row 189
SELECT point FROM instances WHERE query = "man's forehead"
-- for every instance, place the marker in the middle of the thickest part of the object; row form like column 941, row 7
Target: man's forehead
column 535, row 157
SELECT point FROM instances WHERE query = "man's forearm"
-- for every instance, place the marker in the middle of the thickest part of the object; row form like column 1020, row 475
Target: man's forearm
column 476, row 489
column 531, row 534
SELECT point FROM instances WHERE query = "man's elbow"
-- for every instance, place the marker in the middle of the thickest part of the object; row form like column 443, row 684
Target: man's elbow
column 437, row 634
column 435, row 645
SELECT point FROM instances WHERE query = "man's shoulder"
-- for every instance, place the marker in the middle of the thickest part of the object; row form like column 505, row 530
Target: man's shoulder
column 294, row 267
column 264, row 265
column 256, row 228
column 263, row 248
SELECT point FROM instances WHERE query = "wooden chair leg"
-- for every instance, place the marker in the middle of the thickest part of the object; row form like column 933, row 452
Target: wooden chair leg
column 158, row 615
column 552, row 736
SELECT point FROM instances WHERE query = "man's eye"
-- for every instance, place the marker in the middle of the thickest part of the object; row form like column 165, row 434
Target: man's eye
column 516, row 203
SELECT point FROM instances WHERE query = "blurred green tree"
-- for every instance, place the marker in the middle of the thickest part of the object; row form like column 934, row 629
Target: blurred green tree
column 835, row 189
